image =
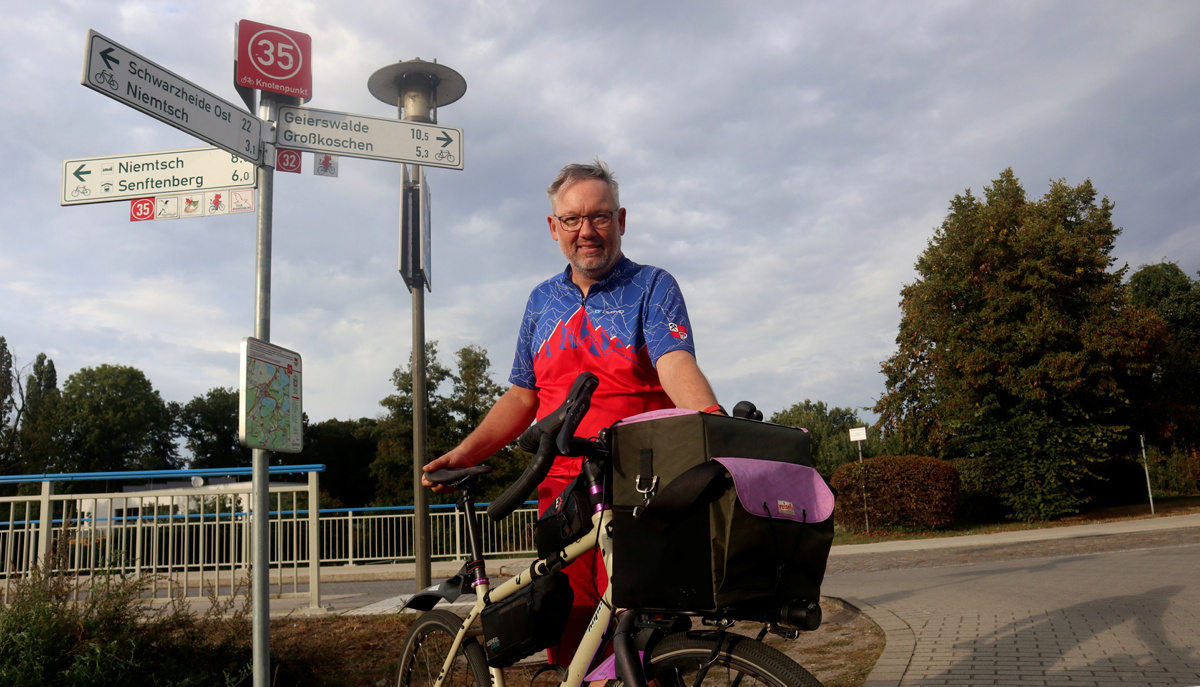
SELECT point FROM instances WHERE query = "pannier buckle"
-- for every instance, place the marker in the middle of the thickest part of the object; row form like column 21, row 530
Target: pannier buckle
column 645, row 490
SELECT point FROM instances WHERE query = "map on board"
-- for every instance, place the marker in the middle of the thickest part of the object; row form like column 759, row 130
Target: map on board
column 269, row 408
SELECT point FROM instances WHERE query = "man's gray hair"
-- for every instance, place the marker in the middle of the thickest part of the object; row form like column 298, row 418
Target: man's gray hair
column 576, row 172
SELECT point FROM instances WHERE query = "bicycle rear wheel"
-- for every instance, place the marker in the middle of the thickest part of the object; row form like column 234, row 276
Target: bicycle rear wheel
column 678, row 658
column 425, row 649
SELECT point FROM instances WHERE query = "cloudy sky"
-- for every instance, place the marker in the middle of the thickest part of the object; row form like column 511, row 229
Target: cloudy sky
column 786, row 160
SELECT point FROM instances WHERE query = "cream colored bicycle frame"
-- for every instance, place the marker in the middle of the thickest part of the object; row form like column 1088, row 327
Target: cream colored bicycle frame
column 600, row 619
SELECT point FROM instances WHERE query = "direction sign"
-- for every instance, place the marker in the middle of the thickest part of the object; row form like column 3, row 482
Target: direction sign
column 373, row 138
column 127, row 77
column 118, row 177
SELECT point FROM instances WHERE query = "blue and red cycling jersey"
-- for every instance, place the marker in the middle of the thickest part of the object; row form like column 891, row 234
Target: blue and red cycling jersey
column 619, row 331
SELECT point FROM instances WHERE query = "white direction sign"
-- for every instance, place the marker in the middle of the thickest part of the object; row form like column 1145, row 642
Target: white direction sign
column 121, row 177
column 373, row 138
column 127, row 77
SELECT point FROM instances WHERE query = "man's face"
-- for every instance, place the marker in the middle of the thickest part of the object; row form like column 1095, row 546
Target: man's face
column 591, row 252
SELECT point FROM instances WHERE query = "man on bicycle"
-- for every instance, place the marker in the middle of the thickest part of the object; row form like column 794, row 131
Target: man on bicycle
column 606, row 314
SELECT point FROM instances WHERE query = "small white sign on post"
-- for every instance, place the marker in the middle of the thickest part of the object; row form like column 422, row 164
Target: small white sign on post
column 858, row 434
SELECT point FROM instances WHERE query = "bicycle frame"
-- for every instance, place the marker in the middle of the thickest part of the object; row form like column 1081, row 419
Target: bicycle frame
column 484, row 595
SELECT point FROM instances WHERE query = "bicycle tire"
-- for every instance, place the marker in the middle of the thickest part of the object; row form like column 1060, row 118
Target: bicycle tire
column 425, row 649
column 678, row 658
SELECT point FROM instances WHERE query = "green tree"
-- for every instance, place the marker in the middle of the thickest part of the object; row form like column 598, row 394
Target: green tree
column 450, row 417
column 1172, row 410
column 113, row 419
column 8, row 409
column 347, row 449
column 40, row 417
column 208, row 425
column 828, row 431
column 1017, row 345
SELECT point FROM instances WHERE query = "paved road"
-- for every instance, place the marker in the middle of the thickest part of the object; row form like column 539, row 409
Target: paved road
column 970, row 617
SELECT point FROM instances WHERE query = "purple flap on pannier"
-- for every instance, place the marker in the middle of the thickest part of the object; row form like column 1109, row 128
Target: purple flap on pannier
column 790, row 491
column 657, row 415
column 606, row 670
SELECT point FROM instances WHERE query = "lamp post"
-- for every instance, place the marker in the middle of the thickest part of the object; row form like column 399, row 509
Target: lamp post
column 417, row 88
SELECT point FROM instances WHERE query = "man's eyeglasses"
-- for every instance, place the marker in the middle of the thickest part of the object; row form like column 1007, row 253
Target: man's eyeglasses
column 600, row 220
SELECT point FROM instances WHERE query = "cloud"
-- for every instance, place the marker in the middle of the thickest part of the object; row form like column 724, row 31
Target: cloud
column 786, row 161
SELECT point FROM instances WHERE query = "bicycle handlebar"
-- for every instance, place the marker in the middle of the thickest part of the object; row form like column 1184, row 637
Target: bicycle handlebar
column 550, row 437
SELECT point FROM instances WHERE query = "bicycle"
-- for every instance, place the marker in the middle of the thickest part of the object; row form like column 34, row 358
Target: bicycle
column 105, row 78
column 443, row 649
column 446, row 156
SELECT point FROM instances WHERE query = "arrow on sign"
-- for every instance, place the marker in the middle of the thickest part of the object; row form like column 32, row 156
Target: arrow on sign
column 79, row 173
column 109, row 60
column 445, row 138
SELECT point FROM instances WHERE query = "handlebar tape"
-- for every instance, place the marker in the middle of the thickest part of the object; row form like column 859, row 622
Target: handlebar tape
column 534, row 473
column 552, row 432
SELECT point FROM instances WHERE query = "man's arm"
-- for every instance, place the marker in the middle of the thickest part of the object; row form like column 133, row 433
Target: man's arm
column 683, row 381
column 511, row 415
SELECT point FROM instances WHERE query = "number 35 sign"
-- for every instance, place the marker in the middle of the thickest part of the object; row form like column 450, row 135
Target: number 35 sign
column 273, row 59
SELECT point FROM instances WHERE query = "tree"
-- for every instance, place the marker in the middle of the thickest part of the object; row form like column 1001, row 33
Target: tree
column 40, row 418
column 208, row 425
column 828, row 431
column 449, row 418
column 113, row 419
column 1172, row 411
column 1017, row 345
column 347, row 449
column 8, row 406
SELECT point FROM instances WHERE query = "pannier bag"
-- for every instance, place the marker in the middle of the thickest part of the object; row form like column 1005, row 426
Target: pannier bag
column 713, row 513
column 528, row 621
column 565, row 521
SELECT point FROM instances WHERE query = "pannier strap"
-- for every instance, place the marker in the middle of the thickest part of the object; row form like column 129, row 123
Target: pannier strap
column 789, row 491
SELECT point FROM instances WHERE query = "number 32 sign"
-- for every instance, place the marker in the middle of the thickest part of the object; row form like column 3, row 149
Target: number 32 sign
column 273, row 59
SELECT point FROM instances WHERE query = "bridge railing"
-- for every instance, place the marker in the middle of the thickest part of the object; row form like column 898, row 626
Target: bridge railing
column 191, row 535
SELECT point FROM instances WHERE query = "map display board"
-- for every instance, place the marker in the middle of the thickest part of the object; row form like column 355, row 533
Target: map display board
column 269, row 403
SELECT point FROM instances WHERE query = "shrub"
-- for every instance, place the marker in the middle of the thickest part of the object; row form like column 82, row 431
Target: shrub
column 905, row 491
column 59, row 631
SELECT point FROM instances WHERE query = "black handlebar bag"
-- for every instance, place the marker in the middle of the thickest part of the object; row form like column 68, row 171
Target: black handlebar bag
column 713, row 513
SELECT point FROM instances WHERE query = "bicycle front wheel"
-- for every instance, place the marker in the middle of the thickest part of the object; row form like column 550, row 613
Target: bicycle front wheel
column 425, row 649
column 677, row 660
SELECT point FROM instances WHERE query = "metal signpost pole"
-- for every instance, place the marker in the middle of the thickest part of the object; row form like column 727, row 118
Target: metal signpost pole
column 261, row 493
column 417, row 88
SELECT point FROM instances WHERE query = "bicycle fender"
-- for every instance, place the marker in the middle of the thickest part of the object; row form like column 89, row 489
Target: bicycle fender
column 448, row 590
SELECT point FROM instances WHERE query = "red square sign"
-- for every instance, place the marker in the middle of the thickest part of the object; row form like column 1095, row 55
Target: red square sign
column 288, row 160
column 273, row 59
column 141, row 209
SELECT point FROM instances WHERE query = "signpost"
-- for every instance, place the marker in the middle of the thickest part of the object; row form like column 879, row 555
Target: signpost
column 859, row 435
column 122, row 177
column 129, row 78
column 277, row 61
column 373, row 138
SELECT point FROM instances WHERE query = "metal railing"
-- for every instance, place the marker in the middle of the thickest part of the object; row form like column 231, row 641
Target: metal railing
column 194, row 539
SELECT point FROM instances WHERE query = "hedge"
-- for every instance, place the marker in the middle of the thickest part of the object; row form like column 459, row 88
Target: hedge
column 901, row 491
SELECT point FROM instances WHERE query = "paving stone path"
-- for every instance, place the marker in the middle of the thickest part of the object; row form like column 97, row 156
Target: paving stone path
column 1101, row 609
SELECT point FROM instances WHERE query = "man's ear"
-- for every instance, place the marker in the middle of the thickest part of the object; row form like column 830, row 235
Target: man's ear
column 553, row 227
column 621, row 221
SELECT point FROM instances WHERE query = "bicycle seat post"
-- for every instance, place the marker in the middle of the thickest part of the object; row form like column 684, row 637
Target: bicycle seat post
column 466, row 506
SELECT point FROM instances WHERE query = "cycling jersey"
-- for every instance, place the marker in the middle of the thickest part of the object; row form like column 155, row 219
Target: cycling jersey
column 618, row 331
